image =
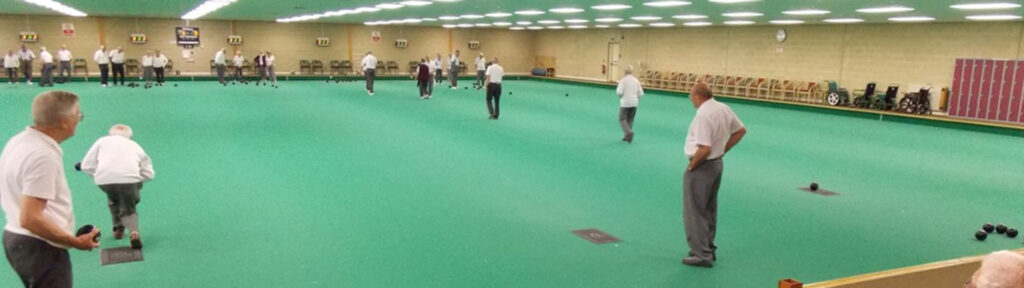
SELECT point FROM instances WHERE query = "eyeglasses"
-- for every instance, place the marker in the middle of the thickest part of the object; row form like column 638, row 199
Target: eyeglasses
column 81, row 116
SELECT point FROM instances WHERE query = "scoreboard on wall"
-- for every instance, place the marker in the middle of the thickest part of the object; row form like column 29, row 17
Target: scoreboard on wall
column 323, row 41
column 234, row 40
column 187, row 36
column 29, row 37
column 138, row 38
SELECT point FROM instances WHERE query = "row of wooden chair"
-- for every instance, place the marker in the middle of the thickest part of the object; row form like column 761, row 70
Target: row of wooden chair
column 750, row 87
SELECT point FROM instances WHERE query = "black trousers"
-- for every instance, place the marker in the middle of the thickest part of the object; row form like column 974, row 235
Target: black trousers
column 104, row 73
column 159, row 74
column 118, row 71
column 37, row 263
column 238, row 74
column 494, row 99
column 438, row 78
column 424, row 85
column 12, row 75
column 26, row 69
column 220, row 73
column 370, row 75
column 64, row 66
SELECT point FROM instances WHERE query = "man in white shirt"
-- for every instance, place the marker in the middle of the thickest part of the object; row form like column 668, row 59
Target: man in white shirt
column 11, row 65
column 629, row 91
column 481, row 68
column 453, row 70
column 369, row 66
column 25, row 56
column 715, row 129
column 103, row 60
column 159, row 62
column 493, row 79
column 119, row 166
column 270, row 68
column 35, row 196
column 46, row 74
column 219, row 62
column 238, row 62
column 63, row 64
column 147, row 67
column 117, row 62
column 437, row 69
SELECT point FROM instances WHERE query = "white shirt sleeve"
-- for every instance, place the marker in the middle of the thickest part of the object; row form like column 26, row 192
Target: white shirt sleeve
column 91, row 159
column 146, row 167
column 620, row 89
column 40, row 178
column 704, row 129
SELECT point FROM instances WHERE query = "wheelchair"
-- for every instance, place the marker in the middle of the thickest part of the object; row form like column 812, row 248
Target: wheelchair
column 836, row 96
column 917, row 102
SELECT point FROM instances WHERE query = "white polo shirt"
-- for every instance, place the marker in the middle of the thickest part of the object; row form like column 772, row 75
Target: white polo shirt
column 219, row 58
column 239, row 61
column 64, row 55
column 46, row 57
column 117, row 160
column 481, row 64
column 11, row 61
column 31, row 165
column 712, row 126
column 495, row 72
column 159, row 61
column 436, row 64
column 629, row 91
column 117, row 57
column 369, row 62
column 101, row 57
column 147, row 61
column 26, row 55
column 270, row 60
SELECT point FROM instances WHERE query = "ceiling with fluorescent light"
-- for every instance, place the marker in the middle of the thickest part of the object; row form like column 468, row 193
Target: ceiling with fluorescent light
column 271, row 10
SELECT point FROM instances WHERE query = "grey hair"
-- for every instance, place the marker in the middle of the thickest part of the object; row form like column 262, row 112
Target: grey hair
column 629, row 69
column 50, row 107
column 495, row 60
column 121, row 130
column 999, row 269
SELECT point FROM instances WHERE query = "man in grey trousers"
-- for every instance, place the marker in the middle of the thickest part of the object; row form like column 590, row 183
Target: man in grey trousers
column 713, row 132
column 118, row 166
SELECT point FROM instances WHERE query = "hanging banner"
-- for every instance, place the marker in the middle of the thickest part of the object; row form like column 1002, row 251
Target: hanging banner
column 68, row 28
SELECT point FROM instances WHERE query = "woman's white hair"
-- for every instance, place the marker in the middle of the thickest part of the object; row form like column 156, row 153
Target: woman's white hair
column 121, row 130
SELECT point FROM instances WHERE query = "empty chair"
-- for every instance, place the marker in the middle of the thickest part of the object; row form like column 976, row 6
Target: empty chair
column 335, row 67
column 392, row 67
column 346, row 67
column 305, row 65
column 316, row 65
column 213, row 67
column 79, row 63
column 809, row 92
column 131, row 65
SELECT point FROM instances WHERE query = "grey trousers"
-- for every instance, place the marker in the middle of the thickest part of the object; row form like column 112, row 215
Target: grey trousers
column 263, row 73
column 480, row 78
column 122, row 198
column 626, row 115
column 453, row 76
column 271, row 74
column 46, row 75
column 147, row 73
column 430, row 87
column 12, row 75
column 64, row 66
column 700, row 207
column 26, row 69
column 370, row 75
column 437, row 76
column 220, row 73
column 37, row 263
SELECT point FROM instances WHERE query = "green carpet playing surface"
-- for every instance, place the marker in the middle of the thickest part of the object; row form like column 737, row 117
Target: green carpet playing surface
column 320, row 185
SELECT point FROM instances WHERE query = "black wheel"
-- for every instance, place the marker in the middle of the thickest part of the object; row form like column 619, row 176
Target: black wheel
column 832, row 98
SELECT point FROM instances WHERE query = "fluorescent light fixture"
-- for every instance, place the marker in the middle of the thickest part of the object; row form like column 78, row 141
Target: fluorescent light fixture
column 742, row 14
column 645, row 18
column 371, row 23
column 412, row 20
column 732, row 1
column 611, row 7
column 535, row 28
column 786, row 22
column 739, row 22
column 367, row 9
column 200, row 11
column 529, row 12
column 575, row 21
column 662, row 24
column 985, row 6
column 566, row 10
column 516, row 28
column 690, row 17
column 911, row 19
column 697, row 24
column 666, row 3
column 389, row 6
column 449, row 25
column 502, row 24
column 993, row 17
column 498, row 14
column 806, row 12
column 448, row 18
column 447, row 1
column 471, row 16
column 429, row 19
column 577, row 26
column 556, row 27
column 548, row 22
column 630, row 25
column 482, row 24
column 844, row 20
column 608, row 20
column 886, row 9
column 416, row 3
column 524, row 23
column 465, row 25
column 601, row 26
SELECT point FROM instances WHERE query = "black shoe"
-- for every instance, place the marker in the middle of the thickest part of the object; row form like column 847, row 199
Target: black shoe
column 136, row 240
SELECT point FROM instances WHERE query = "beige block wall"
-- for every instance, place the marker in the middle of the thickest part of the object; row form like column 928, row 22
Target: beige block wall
column 290, row 42
column 908, row 54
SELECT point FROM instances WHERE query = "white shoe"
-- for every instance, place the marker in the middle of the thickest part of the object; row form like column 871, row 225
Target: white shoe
column 29, row 82
column 104, row 85
column 455, row 88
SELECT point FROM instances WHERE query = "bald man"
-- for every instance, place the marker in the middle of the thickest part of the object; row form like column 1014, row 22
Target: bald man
column 715, row 129
column 1001, row 269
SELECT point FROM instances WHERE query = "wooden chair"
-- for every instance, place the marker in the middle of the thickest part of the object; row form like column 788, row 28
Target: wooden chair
column 809, row 92
column 392, row 67
column 764, row 90
column 733, row 88
column 779, row 89
column 751, row 85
